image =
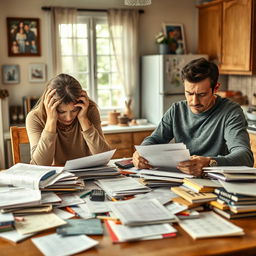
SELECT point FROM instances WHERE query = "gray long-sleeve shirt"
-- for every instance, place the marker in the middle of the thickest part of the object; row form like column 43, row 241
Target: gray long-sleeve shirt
column 220, row 132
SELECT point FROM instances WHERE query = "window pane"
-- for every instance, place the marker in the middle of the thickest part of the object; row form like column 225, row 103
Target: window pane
column 116, row 81
column 66, row 46
column 104, row 98
column 103, row 47
column 67, row 65
column 103, row 80
column 82, row 63
column 65, row 30
column 82, row 79
column 116, row 98
column 102, row 30
column 103, row 63
column 82, row 46
column 113, row 64
column 82, row 30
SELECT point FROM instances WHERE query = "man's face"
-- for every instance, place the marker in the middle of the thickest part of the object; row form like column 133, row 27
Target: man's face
column 199, row 95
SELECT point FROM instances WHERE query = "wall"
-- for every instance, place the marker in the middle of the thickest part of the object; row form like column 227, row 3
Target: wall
column 245, row 84
column 169, row 11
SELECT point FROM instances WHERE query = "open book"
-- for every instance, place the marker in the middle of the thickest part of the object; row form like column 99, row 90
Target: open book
column 29, row 176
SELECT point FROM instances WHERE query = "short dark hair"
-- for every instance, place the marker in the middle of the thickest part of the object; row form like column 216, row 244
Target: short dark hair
column 199, row 69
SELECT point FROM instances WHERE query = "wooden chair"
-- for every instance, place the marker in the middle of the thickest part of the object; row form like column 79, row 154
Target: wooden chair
column 18, row 136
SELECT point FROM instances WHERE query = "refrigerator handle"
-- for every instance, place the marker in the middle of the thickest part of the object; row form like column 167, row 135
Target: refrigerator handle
column 170, row 94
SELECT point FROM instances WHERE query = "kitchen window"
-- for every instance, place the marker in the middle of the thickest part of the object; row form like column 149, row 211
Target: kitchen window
column 87, row 54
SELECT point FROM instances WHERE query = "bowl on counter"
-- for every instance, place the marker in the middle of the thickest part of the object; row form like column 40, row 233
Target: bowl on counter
column 251, row 115
column 141, row 121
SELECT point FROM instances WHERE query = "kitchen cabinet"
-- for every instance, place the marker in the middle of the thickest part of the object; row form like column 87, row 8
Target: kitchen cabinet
column 253, row 145
column 227, row 35
column 124, row 142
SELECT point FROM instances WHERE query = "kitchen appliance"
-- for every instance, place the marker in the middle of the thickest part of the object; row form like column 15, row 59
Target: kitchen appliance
column 162, row 84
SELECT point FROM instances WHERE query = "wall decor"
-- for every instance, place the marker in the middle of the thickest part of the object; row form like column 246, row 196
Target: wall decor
column 23, row 37
column 36, row 72
column 176, row 38
column 10, row 74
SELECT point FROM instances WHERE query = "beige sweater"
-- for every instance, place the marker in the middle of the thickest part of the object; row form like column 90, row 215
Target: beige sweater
column 56, row 148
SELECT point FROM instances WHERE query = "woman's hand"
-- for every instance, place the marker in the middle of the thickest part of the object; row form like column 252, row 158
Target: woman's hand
column 83, row 103
column 50, row 104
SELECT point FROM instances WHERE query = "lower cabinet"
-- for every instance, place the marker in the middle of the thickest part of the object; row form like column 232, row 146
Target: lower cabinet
column 124, row 142
column 253, row 145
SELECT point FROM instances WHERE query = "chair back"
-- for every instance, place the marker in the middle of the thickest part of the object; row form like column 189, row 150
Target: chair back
column 18, row 136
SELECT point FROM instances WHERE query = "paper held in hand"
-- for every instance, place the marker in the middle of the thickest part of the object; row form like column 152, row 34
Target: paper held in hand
column 164, row 155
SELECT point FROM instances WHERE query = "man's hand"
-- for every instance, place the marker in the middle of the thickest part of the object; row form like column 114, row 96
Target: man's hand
column 194, row 166
column 140, row 162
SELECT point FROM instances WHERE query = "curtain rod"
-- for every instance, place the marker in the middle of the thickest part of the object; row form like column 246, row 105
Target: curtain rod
column 48, row 8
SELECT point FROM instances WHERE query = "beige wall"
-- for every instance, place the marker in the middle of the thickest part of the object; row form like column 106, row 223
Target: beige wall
column 169, row 11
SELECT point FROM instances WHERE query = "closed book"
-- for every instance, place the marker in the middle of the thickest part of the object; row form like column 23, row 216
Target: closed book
column 242, row 208
column 219, row 205
column 232, row 202
column 234, row 197
column 232, row 177
column 193, row 197
column 201, row 185
column 182, row 201
column 80, row 227
column 231, row 215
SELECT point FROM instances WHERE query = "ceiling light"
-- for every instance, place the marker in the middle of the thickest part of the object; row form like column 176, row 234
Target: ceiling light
column 137, row 2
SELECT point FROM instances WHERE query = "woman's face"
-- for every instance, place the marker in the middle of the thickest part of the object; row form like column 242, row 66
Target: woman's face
column 67, row 113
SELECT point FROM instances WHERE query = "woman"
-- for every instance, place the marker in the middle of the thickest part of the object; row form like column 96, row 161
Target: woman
column 65, row 124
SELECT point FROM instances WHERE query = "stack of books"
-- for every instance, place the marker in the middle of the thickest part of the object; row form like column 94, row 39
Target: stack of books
column 201, row 185
column 238, row 205
column 6, row 222
column 231, row 173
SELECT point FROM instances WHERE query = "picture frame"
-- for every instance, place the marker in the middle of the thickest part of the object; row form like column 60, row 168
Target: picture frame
column 10, row 74
column 23, row 37
column 176, row 38
column 36, row 72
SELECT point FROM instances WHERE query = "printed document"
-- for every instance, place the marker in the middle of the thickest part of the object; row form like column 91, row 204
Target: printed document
column 141, row 212
column 210, row 224
column 57, row 245
column 164, row 155
column 248, row 189
column 89, row 161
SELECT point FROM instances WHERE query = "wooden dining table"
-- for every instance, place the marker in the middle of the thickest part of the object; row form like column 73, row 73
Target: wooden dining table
column 181, row 245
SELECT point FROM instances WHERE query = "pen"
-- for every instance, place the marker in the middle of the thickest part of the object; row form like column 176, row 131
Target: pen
column 70, row 210
column 85, row 194
column 111, row 198
column 117, row 221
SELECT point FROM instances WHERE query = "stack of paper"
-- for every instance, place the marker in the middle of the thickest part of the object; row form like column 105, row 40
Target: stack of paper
column 210, row 225
column 155, row 178
column 120, row 233
column 231, row 173
column 164, row 155
column 141, row 212
column 93, row 167
column 123, row 186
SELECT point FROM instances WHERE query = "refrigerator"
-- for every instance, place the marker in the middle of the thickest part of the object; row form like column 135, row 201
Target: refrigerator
column 162, row 84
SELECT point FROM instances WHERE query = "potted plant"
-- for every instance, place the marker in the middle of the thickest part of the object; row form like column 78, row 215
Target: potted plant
column 163, row 42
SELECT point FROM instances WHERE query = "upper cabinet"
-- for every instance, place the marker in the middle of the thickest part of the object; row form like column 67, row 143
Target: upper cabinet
column 226, row 34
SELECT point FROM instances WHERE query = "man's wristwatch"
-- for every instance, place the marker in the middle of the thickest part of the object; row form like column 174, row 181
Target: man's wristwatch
column 213, row 163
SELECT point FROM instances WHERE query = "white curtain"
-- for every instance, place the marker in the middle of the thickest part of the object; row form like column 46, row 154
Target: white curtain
column 67, row 16
column 124, row 26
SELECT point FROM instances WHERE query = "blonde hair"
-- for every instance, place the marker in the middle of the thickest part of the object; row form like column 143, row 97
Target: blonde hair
column 68, row 90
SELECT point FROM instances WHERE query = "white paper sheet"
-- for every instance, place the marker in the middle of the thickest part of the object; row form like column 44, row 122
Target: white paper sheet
column 164, row 155
column 154, row 172
column 89, row 161
column 82, row 210
column 209, row 224
column 14, row 236
column 69, row 199
column 57, row 245
column 63, row 214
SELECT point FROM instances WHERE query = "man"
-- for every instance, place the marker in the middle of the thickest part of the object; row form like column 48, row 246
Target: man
column 213, row 128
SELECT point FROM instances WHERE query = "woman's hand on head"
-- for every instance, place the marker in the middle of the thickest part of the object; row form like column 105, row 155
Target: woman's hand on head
column 83, row 103
column 51, row 104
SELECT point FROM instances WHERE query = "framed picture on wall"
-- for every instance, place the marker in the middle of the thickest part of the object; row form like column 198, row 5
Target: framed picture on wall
column 176, row 38
column 11, row 74
column 23, row 37
column 36, row 72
